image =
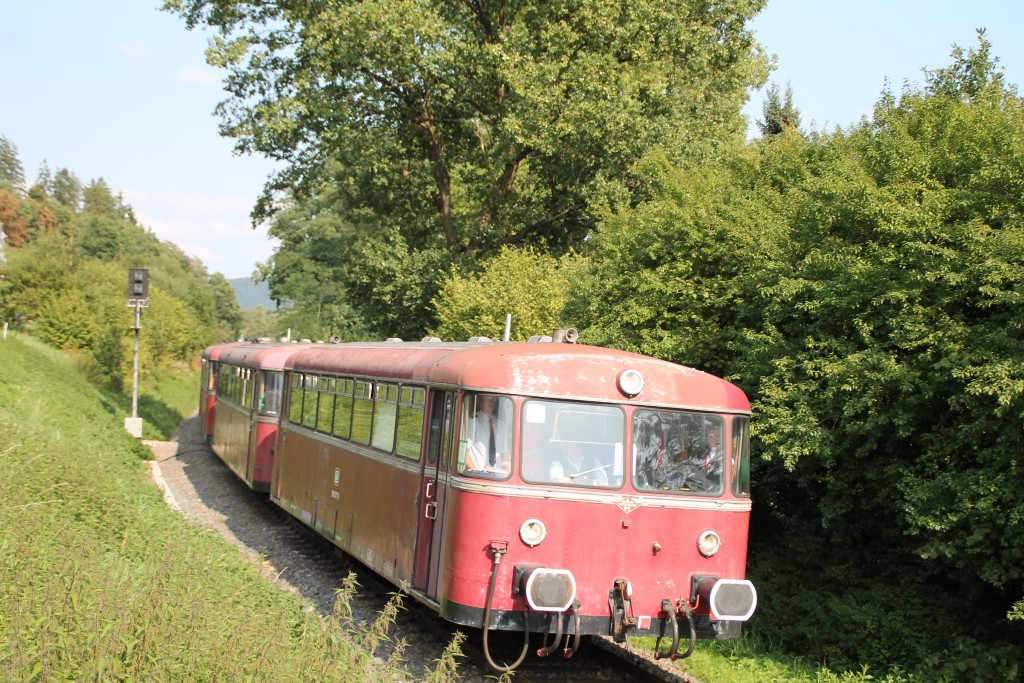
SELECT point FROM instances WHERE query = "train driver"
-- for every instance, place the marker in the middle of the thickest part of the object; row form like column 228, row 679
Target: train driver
column 489, row 437
column 575, row 467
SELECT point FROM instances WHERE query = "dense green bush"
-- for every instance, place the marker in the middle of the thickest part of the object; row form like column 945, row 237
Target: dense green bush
column 864, row 288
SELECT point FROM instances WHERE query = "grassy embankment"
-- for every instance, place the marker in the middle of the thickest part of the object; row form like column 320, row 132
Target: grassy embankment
column 100, row 580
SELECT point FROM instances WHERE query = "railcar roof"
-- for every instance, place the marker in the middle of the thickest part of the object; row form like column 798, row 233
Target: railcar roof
column 264, row 356
column 545, row 369
column 213, row 351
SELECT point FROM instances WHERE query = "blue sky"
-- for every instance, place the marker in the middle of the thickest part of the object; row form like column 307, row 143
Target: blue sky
column 119, row 90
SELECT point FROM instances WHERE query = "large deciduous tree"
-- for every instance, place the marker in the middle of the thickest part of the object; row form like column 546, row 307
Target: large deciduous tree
column 465, row 125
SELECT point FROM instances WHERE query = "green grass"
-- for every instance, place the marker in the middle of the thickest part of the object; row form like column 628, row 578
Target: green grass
column 748, row 660
column 163, row 402
column 100, row 580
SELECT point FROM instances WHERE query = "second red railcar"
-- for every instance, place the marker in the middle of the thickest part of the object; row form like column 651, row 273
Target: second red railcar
column 249, row 389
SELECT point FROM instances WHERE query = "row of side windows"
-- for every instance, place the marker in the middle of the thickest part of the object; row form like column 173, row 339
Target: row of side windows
column 384, row 415
column 235, row 383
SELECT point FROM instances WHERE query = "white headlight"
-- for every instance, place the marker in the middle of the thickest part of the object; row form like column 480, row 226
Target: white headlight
column 708, row 543
column 532, row 532
column 631, row 382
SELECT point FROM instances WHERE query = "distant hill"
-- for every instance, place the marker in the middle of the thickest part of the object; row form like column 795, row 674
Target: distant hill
column 250, row 295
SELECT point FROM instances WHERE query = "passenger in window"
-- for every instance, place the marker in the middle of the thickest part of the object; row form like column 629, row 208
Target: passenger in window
column 575, row 467
column 650, row 453
column 489, row 436
column 270, row 402
column 700, row 469
column 712, row 459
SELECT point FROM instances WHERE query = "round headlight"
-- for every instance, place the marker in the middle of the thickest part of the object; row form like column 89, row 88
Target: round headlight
column 631, row 382
column 708, row 543
column 532, row 532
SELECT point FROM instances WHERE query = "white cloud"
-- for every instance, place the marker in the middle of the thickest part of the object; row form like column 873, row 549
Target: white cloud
column 216, row 229
column 197, row 75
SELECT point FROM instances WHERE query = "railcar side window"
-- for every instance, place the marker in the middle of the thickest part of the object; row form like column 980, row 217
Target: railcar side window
column 343, row 408
column 385, row 409
column 741, row 456
column 270, row 403
column 362, row 412
column 678, row 451
column 572, row 444
column 442, row 415
column 231, row 384
column 295, row 400
column 258, row 393
column 246, row 377
column 225, row 382
column 410, row 422
column 309, row 399
column 325, row 407
column 485, row 435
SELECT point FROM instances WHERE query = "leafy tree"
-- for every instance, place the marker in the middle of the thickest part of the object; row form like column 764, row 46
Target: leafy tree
column 666, row 276
column 530, row 286
column 225, row 304
column 37, row 213
column 98, row 200
column 779, row 112
column 44, row 179
column 66, row 268
column 35, row 274
column 12, row 173
column 67, row 189
column 330, row 271
column 105, row 238
column 261, row 323
column 15, row 225
column 972, row 73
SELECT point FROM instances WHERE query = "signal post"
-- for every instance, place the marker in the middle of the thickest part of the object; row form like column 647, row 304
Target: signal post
column 138, row 296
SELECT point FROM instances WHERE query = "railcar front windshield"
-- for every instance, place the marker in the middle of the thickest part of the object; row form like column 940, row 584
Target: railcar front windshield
column 572, row 444
column 678, row 451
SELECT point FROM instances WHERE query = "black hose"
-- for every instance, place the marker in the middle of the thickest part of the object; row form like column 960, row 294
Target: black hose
column 487, row 621
column 548, row 649
column 675, row 638
column 570, row 651
column 693, row 638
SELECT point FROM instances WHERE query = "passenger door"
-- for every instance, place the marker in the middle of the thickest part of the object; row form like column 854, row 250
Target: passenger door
column 253, row 436
column 433, row 492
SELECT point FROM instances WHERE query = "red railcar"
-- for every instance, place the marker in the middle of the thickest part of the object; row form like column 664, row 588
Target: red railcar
column 533, row 487
column 208, row 385
column 249, row 389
